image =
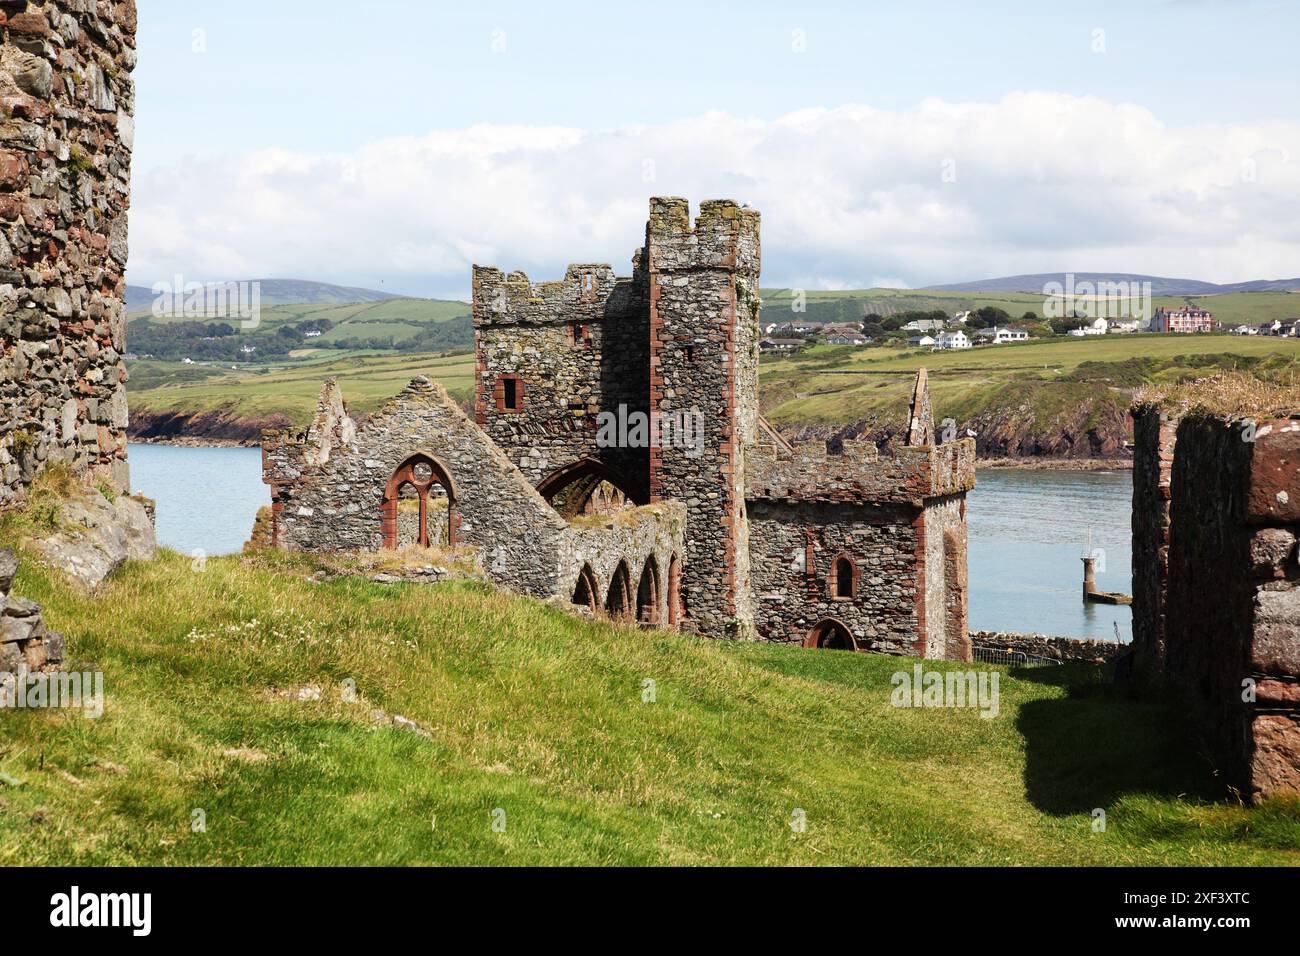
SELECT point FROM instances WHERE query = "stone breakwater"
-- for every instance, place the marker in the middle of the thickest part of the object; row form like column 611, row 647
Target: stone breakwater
column 24, row 639
column 1083, row 650
column 65, row 156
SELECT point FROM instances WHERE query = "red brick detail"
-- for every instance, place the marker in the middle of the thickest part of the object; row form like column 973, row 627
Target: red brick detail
column 499, row 394
column 833, row 581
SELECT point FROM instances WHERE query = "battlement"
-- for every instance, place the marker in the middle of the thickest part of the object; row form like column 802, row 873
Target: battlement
column 725, row 236
column 587, row 293
column 861, row 474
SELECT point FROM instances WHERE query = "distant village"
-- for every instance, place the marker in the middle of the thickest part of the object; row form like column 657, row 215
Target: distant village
column 992, row 326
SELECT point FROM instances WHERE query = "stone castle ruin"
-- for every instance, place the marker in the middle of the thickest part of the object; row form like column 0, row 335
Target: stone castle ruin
column 67, row 97
column 1216, row 584
column 615, row 458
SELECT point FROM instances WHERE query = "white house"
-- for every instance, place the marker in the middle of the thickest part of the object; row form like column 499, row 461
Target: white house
column 953, row 340
column 961, row 318
column 1000, row 336
column 921, row 341
column 1124, row 325
column 1245, row 330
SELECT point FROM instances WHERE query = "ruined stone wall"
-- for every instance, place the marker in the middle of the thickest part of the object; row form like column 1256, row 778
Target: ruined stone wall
column 943, row 532
column 1233, row 602
column 329, row 485
column 577, row 347
column 793, row 547
column 703, row 323
column 899, row 517
column 67, row 100
column 25, row 641
column 1153, row 456
column 645, row 540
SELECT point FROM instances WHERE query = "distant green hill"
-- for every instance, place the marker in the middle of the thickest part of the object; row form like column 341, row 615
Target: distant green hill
column 276, row 292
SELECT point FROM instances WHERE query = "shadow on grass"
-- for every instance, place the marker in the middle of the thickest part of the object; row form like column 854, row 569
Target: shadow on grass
column 1103, row 741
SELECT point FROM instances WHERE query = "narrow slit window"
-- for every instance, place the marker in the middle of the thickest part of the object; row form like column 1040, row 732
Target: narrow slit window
column 844, row 578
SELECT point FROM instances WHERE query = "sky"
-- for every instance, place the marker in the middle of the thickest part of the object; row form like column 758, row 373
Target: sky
column 394, row 143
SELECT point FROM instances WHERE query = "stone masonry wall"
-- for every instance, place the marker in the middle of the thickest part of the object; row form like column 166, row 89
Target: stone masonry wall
column 25, row 642
column 578, row 347
column 792, row 596
column 1233, row 602
column 65, row 155
column 899, row 517
column 329, row 485
column 1153, row 456
column 703, row 360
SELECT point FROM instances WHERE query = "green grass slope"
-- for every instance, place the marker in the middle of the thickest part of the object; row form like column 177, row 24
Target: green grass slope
column 540, row 715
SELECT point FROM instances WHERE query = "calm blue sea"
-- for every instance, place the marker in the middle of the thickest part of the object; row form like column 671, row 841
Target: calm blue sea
column 1028, row 530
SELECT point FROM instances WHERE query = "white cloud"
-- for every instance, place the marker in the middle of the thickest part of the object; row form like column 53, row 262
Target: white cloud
column 940, row 193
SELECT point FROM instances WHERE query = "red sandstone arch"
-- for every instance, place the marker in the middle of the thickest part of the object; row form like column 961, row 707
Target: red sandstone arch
column 586, row 592
column 569, row 489
column 618, row 603
column 674, row 591
column 647, row 593
column 421, row 472
column 831, row 634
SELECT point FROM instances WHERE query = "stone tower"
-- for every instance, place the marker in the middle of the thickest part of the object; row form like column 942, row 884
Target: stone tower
column 67, row 95
column 704, row 306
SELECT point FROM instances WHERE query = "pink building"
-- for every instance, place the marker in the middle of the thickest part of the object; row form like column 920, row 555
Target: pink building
column 1182, row 320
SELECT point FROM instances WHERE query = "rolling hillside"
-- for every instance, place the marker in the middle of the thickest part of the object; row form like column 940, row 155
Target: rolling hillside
column 1159, row 285
column 522, row 715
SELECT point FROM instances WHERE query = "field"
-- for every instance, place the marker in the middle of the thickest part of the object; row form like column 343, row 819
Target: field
column 257, row 391
column 825, row 385
column 539, row 722
column 830, row 385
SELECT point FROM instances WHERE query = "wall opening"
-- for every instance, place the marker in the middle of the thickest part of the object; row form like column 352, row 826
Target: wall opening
column 844, row 578
column 831, row 635
column 674, row 592
column 647, row 593
column 586, row 486
column 618, row 603
column 419, row 505
column 586, row 593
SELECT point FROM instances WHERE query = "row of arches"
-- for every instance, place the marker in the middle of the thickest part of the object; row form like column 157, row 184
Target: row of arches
column 622, row 603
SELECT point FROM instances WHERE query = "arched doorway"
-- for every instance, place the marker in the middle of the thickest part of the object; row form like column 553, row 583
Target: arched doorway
column 586, row 593
column 831, row 635
column 586, row 486
column 674, row 592
column 647, row 593
column 419, row 506
column 618, row 603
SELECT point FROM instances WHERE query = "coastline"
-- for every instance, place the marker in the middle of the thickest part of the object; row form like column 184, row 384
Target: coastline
column 1028, row 463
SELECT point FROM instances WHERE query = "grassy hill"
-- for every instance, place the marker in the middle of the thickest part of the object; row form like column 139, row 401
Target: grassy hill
column 291, row 389
column 1058, row 396
column 530, row 711
column 832, row 385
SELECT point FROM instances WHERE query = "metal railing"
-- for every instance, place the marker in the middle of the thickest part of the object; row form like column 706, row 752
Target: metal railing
column 1001, row 655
